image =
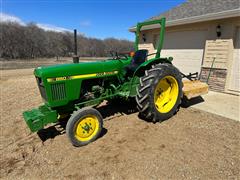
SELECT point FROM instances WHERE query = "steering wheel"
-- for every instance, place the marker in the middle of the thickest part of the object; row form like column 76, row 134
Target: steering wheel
column 112, row 54
column 121, row 56
column 151, row 54
column 118, row 56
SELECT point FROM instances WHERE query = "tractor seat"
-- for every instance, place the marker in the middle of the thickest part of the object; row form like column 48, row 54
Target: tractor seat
column 139, row 57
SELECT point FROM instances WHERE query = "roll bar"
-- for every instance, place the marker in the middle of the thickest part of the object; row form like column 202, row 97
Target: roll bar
column 162, row 22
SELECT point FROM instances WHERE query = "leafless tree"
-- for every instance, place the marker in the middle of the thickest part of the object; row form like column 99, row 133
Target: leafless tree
column 30, row 41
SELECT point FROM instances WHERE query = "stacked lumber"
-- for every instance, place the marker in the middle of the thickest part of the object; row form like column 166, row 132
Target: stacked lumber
column 194, row 88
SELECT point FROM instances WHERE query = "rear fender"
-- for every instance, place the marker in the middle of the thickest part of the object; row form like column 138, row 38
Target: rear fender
column 147, row 65
column 141, row 70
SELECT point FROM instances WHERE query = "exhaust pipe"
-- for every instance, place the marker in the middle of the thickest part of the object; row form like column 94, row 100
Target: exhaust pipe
column 75, row 56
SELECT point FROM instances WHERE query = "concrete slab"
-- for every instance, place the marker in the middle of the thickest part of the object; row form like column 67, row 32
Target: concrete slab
column 222, row 104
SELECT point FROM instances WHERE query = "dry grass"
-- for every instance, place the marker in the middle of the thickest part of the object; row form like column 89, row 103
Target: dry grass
column 33, row 63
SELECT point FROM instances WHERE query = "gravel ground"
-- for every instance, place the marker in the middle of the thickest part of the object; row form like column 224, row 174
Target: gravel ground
column 33, row 63
column 191, row 145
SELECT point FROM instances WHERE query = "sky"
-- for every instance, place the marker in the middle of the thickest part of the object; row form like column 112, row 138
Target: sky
column 93, row 18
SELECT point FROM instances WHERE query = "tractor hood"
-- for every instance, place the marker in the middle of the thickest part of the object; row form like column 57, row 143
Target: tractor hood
column 61, row 70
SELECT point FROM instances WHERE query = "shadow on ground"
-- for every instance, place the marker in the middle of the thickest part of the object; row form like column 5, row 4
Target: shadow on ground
column 119, row 107
column 108, row 111
column 190, row 102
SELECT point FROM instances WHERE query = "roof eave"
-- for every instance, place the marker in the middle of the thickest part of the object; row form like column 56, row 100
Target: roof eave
column 195, row 19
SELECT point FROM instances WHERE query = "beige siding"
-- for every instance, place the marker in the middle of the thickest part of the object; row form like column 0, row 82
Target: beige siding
column 149, row 47
column 234, row 79
column 186, row 48
column 220, row 51
column 235, row 73
column 186, row 60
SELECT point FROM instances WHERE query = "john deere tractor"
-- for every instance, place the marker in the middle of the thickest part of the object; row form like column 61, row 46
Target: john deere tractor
column 76, row 88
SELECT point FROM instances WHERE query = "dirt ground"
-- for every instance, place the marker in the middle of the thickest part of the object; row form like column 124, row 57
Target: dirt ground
column 191, row 145
column 33, row 63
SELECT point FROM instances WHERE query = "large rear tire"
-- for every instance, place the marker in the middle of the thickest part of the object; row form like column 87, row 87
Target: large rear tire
column 159, row 92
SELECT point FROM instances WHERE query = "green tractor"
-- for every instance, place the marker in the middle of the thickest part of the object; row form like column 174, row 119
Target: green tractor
column 76, row 88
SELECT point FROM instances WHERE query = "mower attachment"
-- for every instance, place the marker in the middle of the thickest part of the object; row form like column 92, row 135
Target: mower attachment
column 36, row 119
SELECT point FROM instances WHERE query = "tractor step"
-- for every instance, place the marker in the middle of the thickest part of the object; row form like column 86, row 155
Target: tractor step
column 194, row 88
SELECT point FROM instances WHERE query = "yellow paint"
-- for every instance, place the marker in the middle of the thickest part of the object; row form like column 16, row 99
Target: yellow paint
column 61, row 78
column 166, row 94
column 51, row 79
column 82, row 76
column 86, row 128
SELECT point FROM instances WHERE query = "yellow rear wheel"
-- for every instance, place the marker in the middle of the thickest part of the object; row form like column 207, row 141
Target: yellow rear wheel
column 159, row 92
column 166, row 94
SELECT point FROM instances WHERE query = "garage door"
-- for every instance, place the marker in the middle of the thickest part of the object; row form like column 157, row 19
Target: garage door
column 235, row 70
column 186, row 48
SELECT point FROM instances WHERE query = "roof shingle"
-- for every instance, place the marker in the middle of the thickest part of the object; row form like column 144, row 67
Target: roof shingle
column 193, row 8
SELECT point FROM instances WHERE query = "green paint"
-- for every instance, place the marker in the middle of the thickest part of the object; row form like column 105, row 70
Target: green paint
column 61, row 85
column 37, row 118
column 161, row 22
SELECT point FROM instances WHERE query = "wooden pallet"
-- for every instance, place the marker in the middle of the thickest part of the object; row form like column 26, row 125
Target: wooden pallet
column 218, row 56
column 194, row 88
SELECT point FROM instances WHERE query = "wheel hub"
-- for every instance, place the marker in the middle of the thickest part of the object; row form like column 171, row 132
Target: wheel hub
column 86, row 128
column 166, row 94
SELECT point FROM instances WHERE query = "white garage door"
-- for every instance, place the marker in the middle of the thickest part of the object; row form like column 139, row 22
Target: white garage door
column 186, row 48
column 235, row 70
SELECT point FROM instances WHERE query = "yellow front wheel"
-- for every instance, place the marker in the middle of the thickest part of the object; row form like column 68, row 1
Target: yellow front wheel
column 84, row 126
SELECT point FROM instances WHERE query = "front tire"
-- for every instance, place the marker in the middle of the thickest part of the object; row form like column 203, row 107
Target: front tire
column 159, row 92
column 84, row 126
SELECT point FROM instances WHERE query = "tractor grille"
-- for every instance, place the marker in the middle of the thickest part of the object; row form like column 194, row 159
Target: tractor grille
column 41, row 88
column 58, row 91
